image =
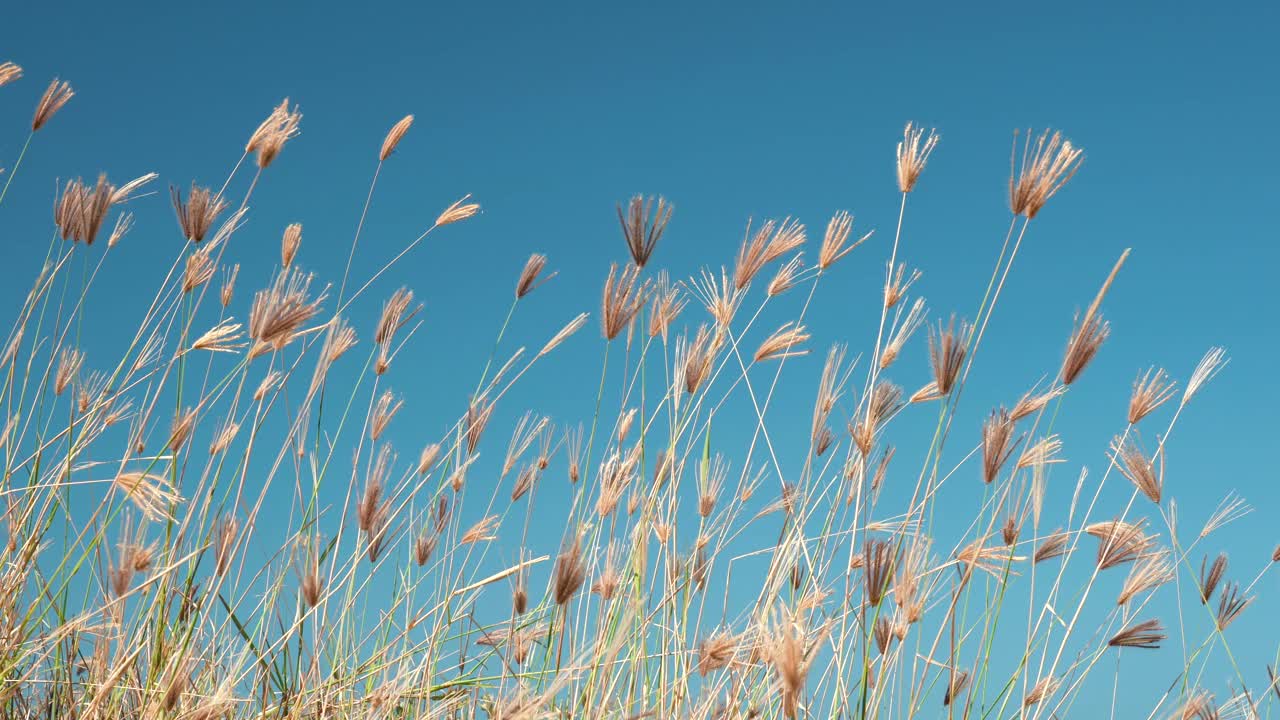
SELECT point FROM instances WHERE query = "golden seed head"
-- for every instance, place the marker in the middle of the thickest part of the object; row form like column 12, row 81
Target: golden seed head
column 457, row 212
column 197, row 213
column 622, row 299
column 394, row 135
column 913, row 153
column 270, row 137
column 9, row 72
column 57, row 95
column 289, row 243
column 1045, row 168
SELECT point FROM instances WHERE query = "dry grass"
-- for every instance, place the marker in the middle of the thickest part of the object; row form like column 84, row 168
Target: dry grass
column 303, row 568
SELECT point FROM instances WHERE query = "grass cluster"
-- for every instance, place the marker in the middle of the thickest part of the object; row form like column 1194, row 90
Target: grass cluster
column 137, row 578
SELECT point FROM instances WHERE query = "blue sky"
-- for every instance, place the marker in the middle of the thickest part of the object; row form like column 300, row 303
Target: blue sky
column 551, row 113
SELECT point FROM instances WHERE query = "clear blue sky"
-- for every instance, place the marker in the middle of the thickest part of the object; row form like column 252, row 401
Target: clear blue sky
column 551, row 113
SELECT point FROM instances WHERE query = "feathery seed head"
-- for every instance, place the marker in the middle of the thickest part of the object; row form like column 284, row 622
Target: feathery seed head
column 946, row 354
column 913, row 153
column 528, row 280
column 394, row 136
column 1045, row 168
column 1211, row 575
column 642, row 224
column 835, row 240
column 1150, row 391
column 1147, row 634
column 9, row 72
column 197, row 213
column 270, row 137
column 290, row 243
column 58, row 94
column 783, row 343
column 458, row 211
column 622, row 299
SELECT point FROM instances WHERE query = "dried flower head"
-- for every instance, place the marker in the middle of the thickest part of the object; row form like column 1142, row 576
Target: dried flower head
column 58, row 94
column 383, row 411
column 394, row 136
column 695, row 360
column 719, row 297
column 1046, row 166
column 1044, row 688
column 9, row 72
column 197, row 213
column 228, row 284
column 1147, row 634
column 1209, row 365
column 1052, row 546
column 81, row 211
column 716, row 652
column 835, row 240
column 570, row 572
column 223, row 337
column 224, row 543
column 913, row 154
column 528, row 280
column 279, row 311
column 904, row 328
column 956, row 685
column 1090, row 332
column 290, row 243
column 769, row 242
column 1148, row 573
column 790, row 647
column 1140, row 470
column 666, row 305
column 1043, row 452
column 1119, row 542
column 998, row 443
column 884, row 402
column 68, row 369
column 622, row 299
column 910, row 590
column 897, row 282
column 152, row 494
column 457, row 212
column 483, row 531
column 1211, row 575
column 878, row 565
column 183, row 424
column 478, row 413
column 269, row 139
column 783, row 343
column 1230, row 605
column 946, row 354
column 427, row 460
column 1032, row 402
column 786, row 277
column 643, row 223
column 564, row 333
column 610, row 577
column 1151, row 390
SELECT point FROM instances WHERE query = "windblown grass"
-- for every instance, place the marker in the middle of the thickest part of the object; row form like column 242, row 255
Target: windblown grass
column 694, row 577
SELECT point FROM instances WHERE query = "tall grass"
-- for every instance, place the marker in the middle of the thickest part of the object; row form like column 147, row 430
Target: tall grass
column 147, row 571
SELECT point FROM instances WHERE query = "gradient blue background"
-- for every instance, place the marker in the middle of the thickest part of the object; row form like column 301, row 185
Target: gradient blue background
column 551, row 113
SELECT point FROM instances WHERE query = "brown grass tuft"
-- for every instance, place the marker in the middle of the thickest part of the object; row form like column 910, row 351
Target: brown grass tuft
column 394, row 136
column 1147, row 634
column 1045, row 168
column 643, row 224
column 55, row 97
